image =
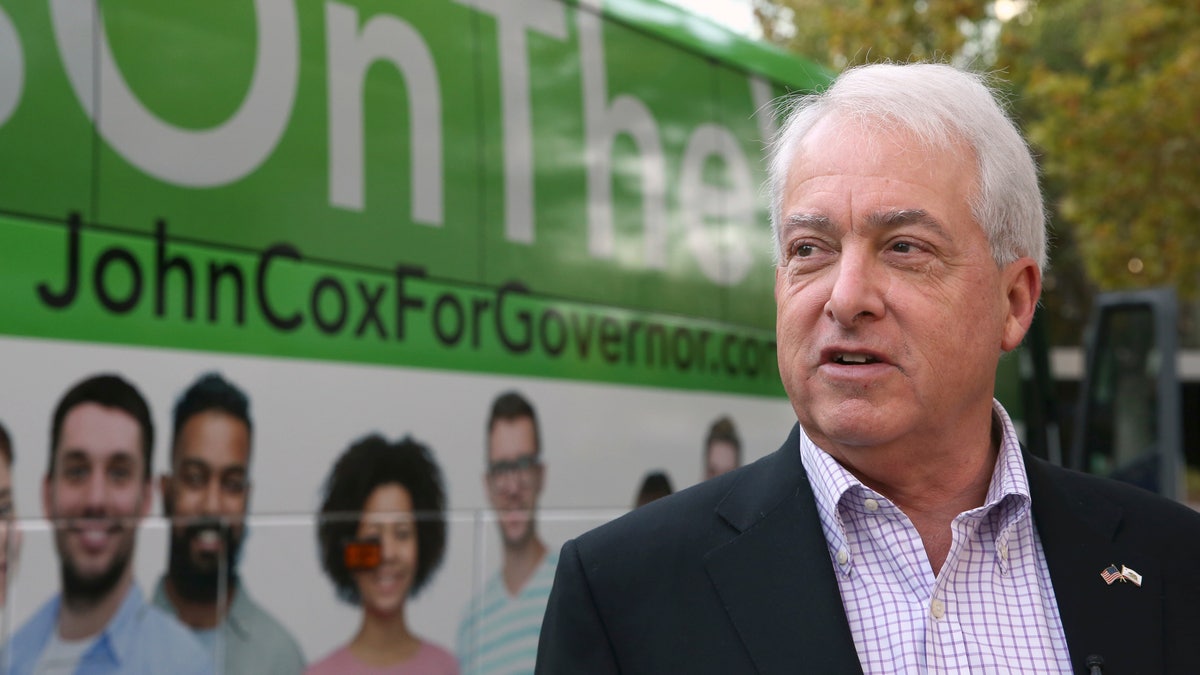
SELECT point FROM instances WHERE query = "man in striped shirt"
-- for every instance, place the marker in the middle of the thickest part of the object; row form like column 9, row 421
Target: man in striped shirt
column 900, row 528
column 499, row 631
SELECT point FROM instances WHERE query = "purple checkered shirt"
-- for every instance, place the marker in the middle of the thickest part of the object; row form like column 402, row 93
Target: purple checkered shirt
column 991, row 609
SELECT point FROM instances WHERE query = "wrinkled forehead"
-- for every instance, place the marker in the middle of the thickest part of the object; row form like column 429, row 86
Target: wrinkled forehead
column 881, row 158
column 866, row 138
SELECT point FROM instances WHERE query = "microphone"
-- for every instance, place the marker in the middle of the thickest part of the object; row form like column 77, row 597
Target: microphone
column 1094, row 664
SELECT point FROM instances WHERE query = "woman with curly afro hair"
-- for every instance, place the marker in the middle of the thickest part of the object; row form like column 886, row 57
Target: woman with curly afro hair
column 382, row 533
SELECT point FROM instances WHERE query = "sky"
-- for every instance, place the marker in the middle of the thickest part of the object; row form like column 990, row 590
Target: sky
column 733, row 14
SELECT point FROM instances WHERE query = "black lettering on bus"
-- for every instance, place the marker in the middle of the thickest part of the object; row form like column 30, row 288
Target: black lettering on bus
column 610, row 339
column 100, row 283
column 552, row 316
column 370, row 314
column 727, row 359
column 752, row 361
column 684, row 336
column 631, row 340
column 215, row 273
column 67, row 296
column 478, row 307
column 163, row 265
column 451, row 337
column 324, row 286
column 701, row 354
column 403, row 301
column 516, row 344
column 656, row 330
column 288, row 323
column 583, row 333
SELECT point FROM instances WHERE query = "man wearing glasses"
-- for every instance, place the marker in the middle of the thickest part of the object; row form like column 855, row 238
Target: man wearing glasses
column 206, row 495
column 499, row 631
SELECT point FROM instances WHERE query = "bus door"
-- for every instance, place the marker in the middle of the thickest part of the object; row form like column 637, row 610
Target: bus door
column 1129, row 424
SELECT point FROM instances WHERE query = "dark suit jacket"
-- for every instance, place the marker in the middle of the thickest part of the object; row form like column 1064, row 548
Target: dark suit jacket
column 734, row 576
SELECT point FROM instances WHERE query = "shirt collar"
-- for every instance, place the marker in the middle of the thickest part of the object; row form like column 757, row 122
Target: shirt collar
column 831, row 482
column 119, row 635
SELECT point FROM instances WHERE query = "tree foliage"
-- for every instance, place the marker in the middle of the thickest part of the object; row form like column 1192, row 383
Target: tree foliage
column 1107, row 91
column 851, row 32
column 1111, row 90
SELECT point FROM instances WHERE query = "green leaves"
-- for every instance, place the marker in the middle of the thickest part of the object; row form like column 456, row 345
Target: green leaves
column 1108, row 93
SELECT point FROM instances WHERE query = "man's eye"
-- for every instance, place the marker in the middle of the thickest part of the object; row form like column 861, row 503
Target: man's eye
column 234, row 485
column 75, row 472
column 903, row 247
column 803, row 250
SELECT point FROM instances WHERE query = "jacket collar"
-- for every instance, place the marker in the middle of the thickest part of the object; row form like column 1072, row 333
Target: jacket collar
column 777, row 584
column 1079, row 529
column 774, row 575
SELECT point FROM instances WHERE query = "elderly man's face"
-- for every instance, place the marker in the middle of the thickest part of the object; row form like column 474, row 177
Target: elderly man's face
column 892, row 313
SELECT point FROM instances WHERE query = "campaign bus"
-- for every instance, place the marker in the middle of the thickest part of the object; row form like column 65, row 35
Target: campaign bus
column 377, row 217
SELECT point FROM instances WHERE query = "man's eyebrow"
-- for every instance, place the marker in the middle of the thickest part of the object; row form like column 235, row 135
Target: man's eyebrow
column 70, row 454
column 812, row 221
column 882, row 220
column 892, row 219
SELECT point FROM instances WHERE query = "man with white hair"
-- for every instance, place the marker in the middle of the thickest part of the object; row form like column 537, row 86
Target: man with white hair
column 901, row 527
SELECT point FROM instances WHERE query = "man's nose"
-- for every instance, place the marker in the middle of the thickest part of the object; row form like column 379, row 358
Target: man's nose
column 212, row 498
column 856, row 294
column 97, row 492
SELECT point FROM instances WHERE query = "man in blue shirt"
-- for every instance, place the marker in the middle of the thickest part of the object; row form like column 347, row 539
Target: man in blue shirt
column 96, row 491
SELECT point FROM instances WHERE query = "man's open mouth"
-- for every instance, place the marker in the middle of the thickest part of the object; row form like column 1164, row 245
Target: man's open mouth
column 850, row 359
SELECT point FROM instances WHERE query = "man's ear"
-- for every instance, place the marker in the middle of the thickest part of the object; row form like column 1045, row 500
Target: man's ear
column 147, row 497
column 540, row 477
column 1022, row 286
column 47, row 497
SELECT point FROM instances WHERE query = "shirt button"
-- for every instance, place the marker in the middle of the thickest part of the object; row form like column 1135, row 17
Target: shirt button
column 872, row 505
column 1003, row 551
column 843, row 556
column 937, row 608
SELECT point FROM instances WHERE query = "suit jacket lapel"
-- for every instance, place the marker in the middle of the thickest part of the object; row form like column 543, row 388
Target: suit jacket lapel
column 775, row 577
column 1079, row 533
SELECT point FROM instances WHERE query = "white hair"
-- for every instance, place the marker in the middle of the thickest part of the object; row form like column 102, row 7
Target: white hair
column 941, row 106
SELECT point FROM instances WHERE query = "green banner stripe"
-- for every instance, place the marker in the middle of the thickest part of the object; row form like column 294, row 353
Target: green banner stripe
column 79, row 283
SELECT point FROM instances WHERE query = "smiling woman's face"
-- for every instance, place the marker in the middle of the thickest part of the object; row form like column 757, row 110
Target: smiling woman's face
column 387, row 517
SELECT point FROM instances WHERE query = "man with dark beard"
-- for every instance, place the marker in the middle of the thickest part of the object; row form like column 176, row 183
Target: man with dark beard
column 96, row 491
column 206, row 495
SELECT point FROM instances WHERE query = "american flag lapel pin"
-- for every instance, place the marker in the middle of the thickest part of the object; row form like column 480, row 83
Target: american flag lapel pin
column 1111, row 574
column 1132, row 576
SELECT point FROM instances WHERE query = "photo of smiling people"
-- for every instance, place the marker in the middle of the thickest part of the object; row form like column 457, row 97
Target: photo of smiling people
column 10, row 537
column 382, row 534
column 500, row 627
column 206, row 493
column 722, row 448
column 96, row 491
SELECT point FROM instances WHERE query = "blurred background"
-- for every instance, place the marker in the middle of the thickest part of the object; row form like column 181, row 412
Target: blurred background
column 1107, row 92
